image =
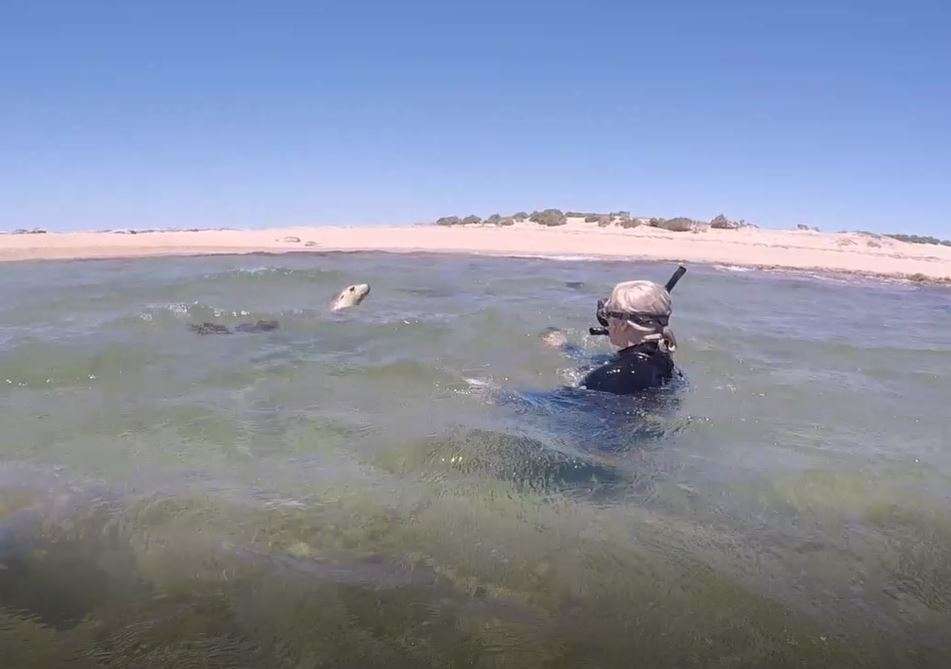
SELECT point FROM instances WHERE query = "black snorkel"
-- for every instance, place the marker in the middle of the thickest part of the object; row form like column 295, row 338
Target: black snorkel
column 602, row 318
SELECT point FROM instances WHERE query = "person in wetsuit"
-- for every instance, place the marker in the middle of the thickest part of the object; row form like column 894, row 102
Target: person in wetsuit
column 636, row 316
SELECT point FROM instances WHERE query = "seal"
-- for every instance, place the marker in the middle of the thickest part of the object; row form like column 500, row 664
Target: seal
column 554, row 338
column 350, row 296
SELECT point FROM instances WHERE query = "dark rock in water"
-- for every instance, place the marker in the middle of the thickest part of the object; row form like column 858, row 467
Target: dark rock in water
column 449, row 220
column 260, row 326
column 523, row 461
column 471, row 220
column 207, row 328
column 34, row 231
column 721, row 222
column 574, row 284
column 549, row 217
column 290, row 239
column 310, row 243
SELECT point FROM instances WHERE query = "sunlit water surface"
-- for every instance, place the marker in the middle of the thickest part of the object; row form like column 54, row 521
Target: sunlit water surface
column 415, row 482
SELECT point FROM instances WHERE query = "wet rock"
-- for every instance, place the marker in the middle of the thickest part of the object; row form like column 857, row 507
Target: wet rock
column 310, row 243
column 574, row 284
column 260, row 326
column 207, row 328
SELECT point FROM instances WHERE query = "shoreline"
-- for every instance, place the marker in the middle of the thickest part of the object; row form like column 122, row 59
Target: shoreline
column 855, row 254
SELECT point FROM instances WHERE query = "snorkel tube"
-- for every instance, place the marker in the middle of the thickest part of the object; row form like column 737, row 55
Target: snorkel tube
column 669, row 286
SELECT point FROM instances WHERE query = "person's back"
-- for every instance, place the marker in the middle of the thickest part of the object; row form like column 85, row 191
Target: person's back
column 635, row 368
column 636, row 316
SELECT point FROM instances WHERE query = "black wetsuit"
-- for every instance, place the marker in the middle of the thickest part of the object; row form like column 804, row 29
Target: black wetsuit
column 634, row 369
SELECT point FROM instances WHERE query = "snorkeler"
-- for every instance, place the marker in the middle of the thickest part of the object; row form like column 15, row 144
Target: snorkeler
column 636, row 321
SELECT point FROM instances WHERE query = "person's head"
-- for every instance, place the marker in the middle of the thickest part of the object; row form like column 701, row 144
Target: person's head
column 638, row 312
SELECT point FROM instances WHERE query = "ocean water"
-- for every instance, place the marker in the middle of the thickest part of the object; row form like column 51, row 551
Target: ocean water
column 416, row 482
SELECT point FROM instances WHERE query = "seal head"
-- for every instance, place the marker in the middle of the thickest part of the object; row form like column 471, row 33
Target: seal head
column 350, row 296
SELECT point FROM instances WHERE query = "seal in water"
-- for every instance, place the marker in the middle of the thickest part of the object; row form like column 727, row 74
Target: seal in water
column 554, row 338
column 207, row 328
column 350, row 296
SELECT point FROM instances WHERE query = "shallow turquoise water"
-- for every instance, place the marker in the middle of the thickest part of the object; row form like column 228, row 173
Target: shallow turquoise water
column 414, row 483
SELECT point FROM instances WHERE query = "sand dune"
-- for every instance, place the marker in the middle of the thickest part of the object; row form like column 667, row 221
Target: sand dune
column 749, row 247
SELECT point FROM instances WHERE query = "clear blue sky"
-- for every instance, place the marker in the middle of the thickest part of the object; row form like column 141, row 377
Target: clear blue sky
column 146, row 114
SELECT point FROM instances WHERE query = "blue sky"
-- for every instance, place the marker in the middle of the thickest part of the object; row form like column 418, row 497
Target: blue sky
column 245, row 114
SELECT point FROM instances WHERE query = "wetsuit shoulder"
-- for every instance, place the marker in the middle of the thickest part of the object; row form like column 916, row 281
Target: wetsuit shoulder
column 630, row 372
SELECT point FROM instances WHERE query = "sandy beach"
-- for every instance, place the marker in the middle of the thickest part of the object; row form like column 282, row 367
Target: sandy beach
column 855, row 253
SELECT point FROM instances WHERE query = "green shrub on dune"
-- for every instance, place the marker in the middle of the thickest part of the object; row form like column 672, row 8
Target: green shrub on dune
column 678, row 224
column 721, row 222
column 549, row 217
column 630, row 222
column 919, row 239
